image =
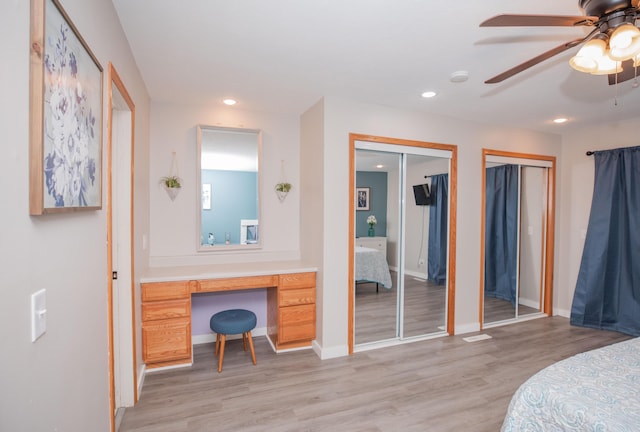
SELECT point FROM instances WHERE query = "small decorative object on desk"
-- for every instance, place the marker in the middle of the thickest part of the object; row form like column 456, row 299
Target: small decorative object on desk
column 371, row 220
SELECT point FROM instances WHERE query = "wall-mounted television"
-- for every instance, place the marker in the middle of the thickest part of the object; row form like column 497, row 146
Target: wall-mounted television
column 422, row 195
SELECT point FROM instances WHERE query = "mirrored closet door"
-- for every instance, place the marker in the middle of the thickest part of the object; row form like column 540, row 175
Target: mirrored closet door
column 516, row 218
column 400, row 264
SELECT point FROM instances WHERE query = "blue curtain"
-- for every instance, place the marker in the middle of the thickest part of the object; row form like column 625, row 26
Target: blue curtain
column 438, row 219
column 607, row 294
column 501, row 233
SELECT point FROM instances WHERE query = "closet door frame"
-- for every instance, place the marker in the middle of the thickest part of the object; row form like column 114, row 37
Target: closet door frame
column 451, row 269
column 548, row 250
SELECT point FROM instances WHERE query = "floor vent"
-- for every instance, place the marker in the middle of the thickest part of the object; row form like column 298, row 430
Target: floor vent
column 476, row 338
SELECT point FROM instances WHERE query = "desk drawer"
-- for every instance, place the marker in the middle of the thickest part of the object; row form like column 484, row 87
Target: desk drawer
column 156, row 291
column 230, row 284
column 166, row 340
column 297, row 323
column 297, row 280
column 294, row 297
column 166, row 309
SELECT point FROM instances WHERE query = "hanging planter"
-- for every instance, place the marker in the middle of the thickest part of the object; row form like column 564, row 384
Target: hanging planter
column 172, row 183
column 282, row 188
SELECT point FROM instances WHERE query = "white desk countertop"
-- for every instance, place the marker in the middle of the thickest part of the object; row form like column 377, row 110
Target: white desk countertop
column 219, row 271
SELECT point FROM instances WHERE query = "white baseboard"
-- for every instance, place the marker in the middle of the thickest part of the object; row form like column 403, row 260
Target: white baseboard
column 467, row 328
column 529, row 303
column 411, row 273
column 141, row 374
column 211, row 337
column 329, row 353
column 562, row 312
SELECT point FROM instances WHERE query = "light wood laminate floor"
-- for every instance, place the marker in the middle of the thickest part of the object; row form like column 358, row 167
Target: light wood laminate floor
column 376, row 311
column 443, row 384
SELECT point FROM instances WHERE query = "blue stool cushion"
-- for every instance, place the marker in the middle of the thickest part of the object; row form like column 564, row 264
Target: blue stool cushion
column 233, row 321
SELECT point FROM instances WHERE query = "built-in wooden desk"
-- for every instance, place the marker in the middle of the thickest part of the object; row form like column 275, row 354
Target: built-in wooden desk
column 166, row 305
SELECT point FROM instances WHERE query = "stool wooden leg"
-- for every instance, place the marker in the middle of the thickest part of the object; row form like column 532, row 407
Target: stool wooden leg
column 253, row 354
column 223, row 339
column 217, row 344
column 244, row 341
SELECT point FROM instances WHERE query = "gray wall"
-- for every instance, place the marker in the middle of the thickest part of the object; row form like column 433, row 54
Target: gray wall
column 60, row 382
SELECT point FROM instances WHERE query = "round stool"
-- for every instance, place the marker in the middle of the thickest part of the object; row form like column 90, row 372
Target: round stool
column 229, row 322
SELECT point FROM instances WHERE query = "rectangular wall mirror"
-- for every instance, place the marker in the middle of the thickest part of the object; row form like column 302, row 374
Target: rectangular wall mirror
column 229, row 178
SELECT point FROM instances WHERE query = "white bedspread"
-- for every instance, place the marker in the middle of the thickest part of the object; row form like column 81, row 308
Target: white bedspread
column 597, row 390
column 371, row 266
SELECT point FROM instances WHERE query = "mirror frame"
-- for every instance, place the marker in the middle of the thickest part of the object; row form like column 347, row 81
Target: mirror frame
column 550, row 215
column 224, row 247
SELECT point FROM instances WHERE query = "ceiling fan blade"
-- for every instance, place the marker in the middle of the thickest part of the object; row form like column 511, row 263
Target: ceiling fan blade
column 507, row 20
column 628, row 72
column 534, row 61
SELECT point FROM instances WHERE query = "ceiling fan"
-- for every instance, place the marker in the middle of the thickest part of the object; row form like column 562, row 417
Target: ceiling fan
column 612, row 48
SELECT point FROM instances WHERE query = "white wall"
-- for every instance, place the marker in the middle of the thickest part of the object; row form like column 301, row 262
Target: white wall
column 574, row 203
column 532, row 208
column 60, row 382
column 417, row 217
column 312, row 164
column 342, row 117
column 174, row 235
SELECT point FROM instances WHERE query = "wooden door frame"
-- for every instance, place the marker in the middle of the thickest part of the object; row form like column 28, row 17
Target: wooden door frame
column 114, row 80
column 453, row 205
column 548, row 250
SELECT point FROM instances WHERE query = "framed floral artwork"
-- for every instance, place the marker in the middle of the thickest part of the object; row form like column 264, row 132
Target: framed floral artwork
column 65, row 167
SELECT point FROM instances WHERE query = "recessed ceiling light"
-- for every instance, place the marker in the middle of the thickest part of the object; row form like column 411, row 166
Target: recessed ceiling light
column 379, row 166
column 428, row 94
column 229, row 101
column 560, row 120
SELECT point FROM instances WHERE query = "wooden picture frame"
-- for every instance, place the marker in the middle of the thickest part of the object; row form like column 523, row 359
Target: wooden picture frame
column 363, row 198
column 65, row 162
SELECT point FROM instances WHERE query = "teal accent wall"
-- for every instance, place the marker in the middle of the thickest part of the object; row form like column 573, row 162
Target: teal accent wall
column 377, row 183
column 234, row 196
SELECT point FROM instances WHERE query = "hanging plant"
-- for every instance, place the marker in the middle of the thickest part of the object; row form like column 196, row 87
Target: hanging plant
column 172, row 183
column 282, row 188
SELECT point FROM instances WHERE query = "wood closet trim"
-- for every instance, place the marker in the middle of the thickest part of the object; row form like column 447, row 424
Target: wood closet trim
column 549, row 246
column 114, row 80
column 453, row 206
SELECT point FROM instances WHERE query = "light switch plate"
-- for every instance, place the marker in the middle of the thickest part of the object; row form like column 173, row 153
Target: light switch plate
column 38, row 314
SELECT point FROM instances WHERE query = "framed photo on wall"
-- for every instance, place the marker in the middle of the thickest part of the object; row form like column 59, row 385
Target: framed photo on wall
column 65, row 162
column 206, row 196
column 362, row 198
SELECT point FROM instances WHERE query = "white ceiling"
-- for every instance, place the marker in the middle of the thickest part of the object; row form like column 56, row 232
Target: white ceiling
column 284, row 55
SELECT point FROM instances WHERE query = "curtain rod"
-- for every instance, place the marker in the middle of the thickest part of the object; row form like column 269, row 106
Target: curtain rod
column 589, row 153
column 427, row 176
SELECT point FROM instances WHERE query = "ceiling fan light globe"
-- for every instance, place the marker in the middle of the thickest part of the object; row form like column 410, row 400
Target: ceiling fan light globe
column 629, row 52
column 623, row 36
column 583, row 64
column 594, row 49
column 607, row 66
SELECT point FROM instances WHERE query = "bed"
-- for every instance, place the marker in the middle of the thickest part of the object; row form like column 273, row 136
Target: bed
column 597, row 390
column 371, row 266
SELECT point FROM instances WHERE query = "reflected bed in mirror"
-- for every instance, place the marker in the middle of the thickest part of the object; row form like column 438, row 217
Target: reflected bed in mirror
column 229, row 178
